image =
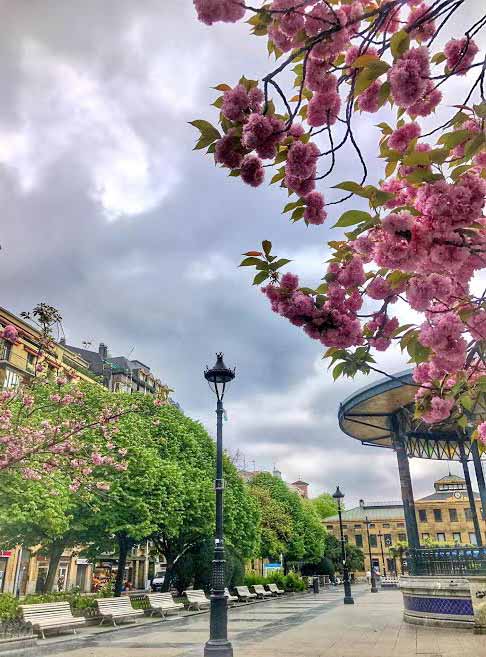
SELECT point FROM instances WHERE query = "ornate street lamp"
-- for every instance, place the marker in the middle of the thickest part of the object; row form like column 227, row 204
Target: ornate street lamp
column 348, row 598
column 372, row 570
column 218, row 645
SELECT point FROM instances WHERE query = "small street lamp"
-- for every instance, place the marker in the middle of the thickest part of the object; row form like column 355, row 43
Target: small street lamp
column 372, row 570
column 218, row 645
column 348, row 598
column 382, row 554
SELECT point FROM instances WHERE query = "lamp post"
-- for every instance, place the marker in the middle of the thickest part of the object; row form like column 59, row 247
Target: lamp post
column 348, row 598
column 382, row 554
column 218, row 645
column 372, row 570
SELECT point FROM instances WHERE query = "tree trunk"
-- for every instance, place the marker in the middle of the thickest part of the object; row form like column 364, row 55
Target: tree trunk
column 124, row 545
column 55, row 554
column 169, row 573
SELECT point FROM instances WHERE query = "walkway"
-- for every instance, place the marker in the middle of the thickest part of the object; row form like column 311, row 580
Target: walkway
column 304, row 626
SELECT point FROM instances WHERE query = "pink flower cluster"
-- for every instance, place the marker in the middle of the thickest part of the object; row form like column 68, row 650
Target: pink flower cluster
column 237, row 102
column 213, row 11
column 333, row 323
column 9, row 333
column 460, row 54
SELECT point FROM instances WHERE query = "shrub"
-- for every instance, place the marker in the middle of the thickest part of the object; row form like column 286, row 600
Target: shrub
column 290, row 582
column 8, row 606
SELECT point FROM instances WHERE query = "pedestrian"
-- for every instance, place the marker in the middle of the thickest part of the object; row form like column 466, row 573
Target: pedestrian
column 368, row 576
column 60, row 582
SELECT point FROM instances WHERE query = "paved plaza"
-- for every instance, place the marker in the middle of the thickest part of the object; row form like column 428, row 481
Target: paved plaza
column 295, row 626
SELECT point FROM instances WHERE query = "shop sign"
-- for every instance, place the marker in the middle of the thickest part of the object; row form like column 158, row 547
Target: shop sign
column 82, row 562
column 5, row 553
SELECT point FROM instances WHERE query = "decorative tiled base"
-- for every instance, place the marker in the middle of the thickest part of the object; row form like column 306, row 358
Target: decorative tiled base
column 437, row 601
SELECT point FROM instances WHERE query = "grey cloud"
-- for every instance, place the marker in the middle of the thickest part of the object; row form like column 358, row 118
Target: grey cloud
column 91, row 89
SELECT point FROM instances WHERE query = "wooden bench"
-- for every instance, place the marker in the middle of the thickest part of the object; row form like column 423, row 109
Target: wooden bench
column 274, row 590
column 230, row 598
column 51, row 616
column 116, row 608
column 261, row 592
column 244, row 594
column 390, row 582
column 196, row 599
column 163, row 603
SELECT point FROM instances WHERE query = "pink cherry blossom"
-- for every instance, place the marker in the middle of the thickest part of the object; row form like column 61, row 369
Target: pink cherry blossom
column 252, row 171
column 460, row 54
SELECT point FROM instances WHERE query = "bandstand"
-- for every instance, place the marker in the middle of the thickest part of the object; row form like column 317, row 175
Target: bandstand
column 443, row 583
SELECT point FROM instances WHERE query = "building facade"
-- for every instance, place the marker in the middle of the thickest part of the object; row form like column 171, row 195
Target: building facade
column 20, row 358
column 444, row 516
column 120, row 374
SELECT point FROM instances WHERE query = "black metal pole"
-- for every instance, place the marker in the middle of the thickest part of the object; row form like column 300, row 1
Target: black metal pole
column 470, row 493
column 478, row 467
column 382, row 554
column 348, row 598
column 372, row 571
column 218, row 644
column 405, row 485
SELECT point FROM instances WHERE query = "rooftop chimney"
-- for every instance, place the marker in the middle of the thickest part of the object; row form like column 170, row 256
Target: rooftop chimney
column 277, row 473
column 103, row 351
column 62, row 341
column 361, row 503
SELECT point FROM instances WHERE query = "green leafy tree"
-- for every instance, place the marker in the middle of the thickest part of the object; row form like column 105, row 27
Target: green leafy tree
column 290, row 524
column 325, row 505
column 354, row 555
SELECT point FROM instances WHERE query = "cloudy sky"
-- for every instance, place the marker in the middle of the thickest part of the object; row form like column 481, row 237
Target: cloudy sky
column 110, row 216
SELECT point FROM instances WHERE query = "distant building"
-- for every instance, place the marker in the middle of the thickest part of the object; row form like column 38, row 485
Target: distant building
column 444, row 516
column 19, row 359
column 120, row 374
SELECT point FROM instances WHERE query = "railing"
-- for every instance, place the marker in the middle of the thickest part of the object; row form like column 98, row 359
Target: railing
column 447, row 561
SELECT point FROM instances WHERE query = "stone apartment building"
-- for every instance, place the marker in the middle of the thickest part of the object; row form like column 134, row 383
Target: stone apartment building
column 444, row 516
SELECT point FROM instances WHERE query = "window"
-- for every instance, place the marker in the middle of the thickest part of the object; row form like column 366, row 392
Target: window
column 346, row 539
column 345, row 526
column 437, row 515
column 372, row 524
column 12, row 379
column 456, row 537
column 5, row 349
column 358, row 540
column 357, row 526
column 425, row 536
column 423, row 515
column 400, row 525
column 387, row 539
column 472, row 538
column 386, row 525
column 30, row 362
column 468, row 514
column 402, row 537
column 453, row 515
column 329, row 526
column 441, row 537
column 373, row 542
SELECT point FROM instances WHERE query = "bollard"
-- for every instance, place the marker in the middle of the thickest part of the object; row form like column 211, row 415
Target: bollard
column 315, row 584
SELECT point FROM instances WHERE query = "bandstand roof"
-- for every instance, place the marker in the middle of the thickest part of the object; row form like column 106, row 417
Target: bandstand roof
column 368, row 414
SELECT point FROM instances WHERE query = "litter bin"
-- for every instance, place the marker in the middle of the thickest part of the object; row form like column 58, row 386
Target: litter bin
column 315, row 584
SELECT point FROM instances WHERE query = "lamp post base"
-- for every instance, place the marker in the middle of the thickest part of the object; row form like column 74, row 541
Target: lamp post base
column 218, row 648
column 348, row 600
column 374, row 589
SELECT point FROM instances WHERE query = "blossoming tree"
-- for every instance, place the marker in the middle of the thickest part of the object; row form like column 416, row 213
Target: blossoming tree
column 423, row 238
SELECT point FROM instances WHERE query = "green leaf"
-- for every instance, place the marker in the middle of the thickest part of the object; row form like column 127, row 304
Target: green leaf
column 368, row 75
column 474, row 145
column 385, row 128
column 452, row 139
column 206, row 128
column 438, row 58
column 279, row 263
column 234, row 173
column 338, row 370
column 480, row 110
column 280, row 175
column 292, row 205
column 466, row 402
column 363, row 60
column 350, row 186
column 250, row 262
column 423, row 175
column 458, row 171
column 267, row 247
column 352, row 217
column 417, row 158
column 260, row 277
column 297, row 214
column 399, row 43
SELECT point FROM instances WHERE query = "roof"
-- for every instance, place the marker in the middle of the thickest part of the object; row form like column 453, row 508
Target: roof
column 378, row 511
column 92, row 357
column 451, row 478
column 299, row 482
column 447, row 495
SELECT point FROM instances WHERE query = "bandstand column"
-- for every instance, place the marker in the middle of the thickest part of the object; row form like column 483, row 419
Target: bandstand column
column 406, row 487
column 470, row 493
column 478, row 467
